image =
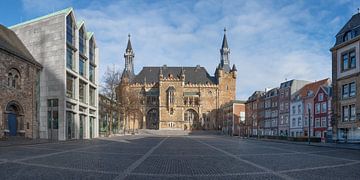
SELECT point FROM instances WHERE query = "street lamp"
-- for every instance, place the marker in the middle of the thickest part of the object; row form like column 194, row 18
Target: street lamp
column 309, row 125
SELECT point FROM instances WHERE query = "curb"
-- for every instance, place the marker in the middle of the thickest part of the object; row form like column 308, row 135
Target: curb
column 317, row 145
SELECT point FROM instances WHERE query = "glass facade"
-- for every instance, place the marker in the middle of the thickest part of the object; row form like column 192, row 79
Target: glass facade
column 92, row 73
column 82, row 91
column 82, row 66
column 70, row 125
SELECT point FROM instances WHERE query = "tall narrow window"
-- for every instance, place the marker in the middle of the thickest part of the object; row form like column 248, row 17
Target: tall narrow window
column 92, row 50
column 323, row 122
column 317, row 108
column 82, row 91
column 170, row 96
column 70, row 83
column 53, row 114
column 345, row 62
column 345, row 91
column 345, row 113
column 82, row 41
column 82, row 66
column 352, row 89
column 69, row 30
column 92, row 73
column 352, row 59
column 70, row 58
column 92, row 96
column 352, row 112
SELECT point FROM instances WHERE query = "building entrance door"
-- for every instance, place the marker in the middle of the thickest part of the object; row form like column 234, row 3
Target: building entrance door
column 81, row 128
column 91, row 126
column 12, row 124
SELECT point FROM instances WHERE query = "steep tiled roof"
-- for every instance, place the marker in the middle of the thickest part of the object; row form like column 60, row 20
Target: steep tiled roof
column 193, row 75
column 313, row 87
column 11, row 43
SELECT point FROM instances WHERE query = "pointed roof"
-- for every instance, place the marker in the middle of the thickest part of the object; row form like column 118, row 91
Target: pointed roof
column 11, row 43
column 129, row 47
column 313, row 87
column 224, row 43
column 64, row 11
column 234, row 68
column 352, row 25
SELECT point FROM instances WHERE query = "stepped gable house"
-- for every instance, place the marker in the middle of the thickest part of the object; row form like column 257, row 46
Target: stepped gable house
column 176, row 98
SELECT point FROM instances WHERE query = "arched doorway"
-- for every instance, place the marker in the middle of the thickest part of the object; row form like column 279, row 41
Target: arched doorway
column 14, row 118
column 152, row 119
column 191, row 117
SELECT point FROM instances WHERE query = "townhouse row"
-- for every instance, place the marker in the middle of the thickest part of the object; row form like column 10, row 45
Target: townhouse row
column 323, row 109
column 293, row 109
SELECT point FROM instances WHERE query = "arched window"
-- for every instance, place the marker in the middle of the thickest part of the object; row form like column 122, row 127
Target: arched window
column 13, row 78
column 171, row 96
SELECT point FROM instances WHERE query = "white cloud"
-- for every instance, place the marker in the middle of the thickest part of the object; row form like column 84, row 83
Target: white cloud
column 269, row 41
column 44, row 6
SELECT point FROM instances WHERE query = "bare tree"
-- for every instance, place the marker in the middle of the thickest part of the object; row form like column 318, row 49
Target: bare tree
column 130, row 103
column 111, row 80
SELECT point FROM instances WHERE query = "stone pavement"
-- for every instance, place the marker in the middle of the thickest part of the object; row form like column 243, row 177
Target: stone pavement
column 177, row 157
column 353, row 146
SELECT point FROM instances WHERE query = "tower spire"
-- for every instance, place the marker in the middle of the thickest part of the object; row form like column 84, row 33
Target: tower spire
column 224, row 43
column 129, row 47
column 129, row 61
column 224, row 54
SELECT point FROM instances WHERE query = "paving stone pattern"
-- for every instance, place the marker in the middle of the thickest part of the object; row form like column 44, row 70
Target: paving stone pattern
column 182, row 157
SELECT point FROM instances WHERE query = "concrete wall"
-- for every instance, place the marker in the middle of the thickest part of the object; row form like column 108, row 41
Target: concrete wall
column 45, row 40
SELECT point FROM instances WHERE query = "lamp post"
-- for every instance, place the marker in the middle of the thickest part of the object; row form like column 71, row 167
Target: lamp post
column 309, row 125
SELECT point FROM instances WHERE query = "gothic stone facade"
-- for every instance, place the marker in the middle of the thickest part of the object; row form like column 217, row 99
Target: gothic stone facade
column 19, row 74
column 177, row 98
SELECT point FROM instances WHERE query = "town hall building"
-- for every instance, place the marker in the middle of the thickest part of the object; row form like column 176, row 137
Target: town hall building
column 175, row 98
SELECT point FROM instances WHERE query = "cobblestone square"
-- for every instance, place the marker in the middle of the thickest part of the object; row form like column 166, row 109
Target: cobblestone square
column 177, row 157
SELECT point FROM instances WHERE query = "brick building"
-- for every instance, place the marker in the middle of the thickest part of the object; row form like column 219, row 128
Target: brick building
column 345, row 80
column 175, row 98
column 322, row 107
column 234, row 118
column 19, row 87
column 254, row 108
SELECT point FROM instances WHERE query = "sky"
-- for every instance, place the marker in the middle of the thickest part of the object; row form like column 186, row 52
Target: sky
column 269, row 41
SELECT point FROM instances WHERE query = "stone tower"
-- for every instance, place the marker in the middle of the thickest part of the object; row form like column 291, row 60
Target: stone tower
column 129, row 55
column 225, row 75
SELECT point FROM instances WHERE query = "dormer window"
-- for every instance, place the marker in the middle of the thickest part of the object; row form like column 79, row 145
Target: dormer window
column 348, row 35
column 310, row 93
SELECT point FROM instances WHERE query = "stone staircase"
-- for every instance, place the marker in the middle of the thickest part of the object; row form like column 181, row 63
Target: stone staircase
column 151, row 132
column 163, row 132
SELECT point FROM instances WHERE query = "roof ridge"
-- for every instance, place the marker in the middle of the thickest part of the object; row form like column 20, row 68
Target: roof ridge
column 67, row 10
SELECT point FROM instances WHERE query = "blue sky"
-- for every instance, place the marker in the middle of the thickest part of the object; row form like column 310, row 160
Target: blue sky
column 270, row 41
